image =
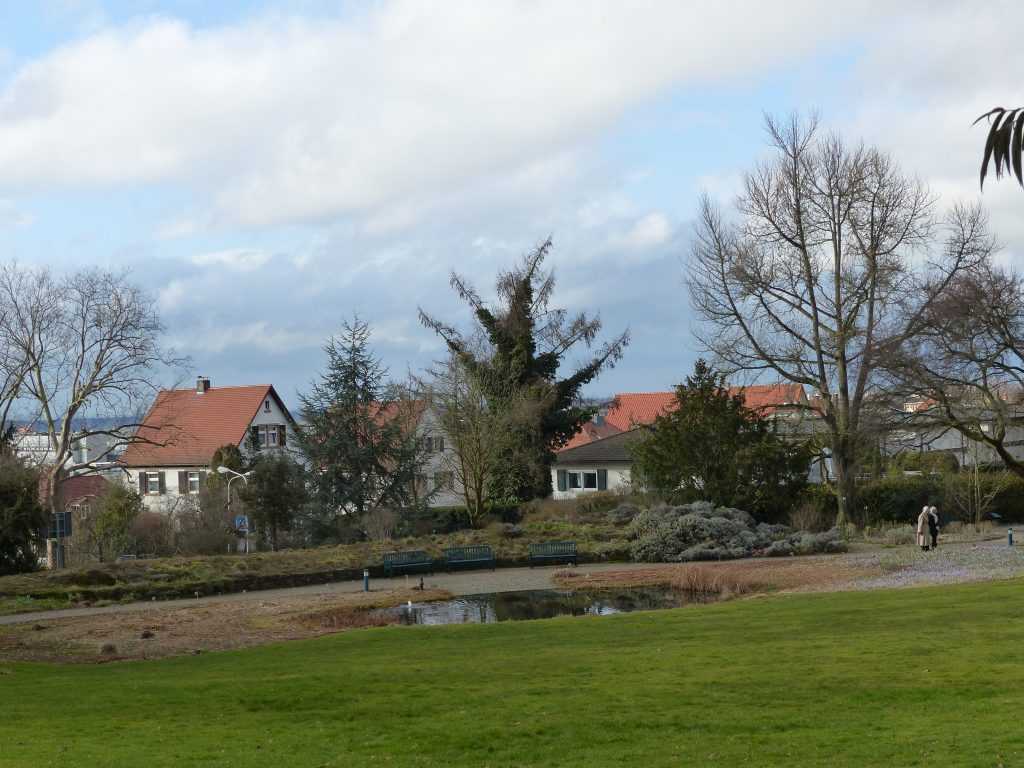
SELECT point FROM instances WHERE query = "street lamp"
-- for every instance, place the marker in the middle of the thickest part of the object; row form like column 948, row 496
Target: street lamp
column 222, row 470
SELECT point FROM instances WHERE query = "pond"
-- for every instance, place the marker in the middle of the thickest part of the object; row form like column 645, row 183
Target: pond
column 492, row 607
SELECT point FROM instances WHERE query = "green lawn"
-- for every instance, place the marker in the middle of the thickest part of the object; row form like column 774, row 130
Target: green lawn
column 897, row 678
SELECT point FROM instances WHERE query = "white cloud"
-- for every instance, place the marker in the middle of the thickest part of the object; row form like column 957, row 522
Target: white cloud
column 259, row 335
column 172, row 296
column 652, row 230
column 239, row 259
column 282, row 120
column 11, row 216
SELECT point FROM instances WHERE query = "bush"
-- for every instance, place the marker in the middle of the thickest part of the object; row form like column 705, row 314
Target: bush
column 623, row 514
column 697, row 531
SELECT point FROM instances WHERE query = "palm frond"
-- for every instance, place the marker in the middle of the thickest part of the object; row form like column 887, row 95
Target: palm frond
column 1005, row 143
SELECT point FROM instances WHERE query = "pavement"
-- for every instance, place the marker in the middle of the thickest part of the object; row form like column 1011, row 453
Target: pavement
column 457, row 583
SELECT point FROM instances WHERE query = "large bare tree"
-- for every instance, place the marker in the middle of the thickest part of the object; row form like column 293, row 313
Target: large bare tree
column 815, row 272
column 90, row 343
column 965, row 363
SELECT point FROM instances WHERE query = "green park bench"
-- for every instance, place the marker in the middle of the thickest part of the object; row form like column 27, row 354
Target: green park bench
column 414, row 559
column 553, row 551
column 458, row 557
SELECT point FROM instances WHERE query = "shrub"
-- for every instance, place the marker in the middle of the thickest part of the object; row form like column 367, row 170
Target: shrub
column 809, row 515
column 623, row 514
column 697, row 531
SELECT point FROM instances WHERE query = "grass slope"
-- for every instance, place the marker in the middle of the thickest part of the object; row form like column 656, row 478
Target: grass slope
column 889, row 678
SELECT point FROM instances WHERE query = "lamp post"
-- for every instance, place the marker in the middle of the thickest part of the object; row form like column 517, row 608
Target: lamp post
column 222, row 470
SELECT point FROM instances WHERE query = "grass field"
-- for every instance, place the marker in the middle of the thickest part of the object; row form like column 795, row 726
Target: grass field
column 889, row 678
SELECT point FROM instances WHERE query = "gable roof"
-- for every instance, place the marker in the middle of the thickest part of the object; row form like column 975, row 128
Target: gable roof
column 630, row 409
column 605, row 450
column 186, row 426
column 79, row 487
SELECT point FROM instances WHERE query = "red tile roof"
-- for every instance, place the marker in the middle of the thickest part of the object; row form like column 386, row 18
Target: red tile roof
column 630, row 409
column 590, row 432
column 80, row 487
column 185, row 427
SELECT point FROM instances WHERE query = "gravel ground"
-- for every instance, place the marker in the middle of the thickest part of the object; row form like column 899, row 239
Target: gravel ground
column 951, row 563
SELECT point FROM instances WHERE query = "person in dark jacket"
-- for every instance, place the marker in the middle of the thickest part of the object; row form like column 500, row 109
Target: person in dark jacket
column 933, row 525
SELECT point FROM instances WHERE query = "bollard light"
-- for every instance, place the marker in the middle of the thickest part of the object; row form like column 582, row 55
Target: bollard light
column 366, row 579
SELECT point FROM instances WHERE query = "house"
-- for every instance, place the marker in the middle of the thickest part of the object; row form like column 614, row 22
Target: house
column 784, row 404
column 170, row 459
column 597, row 457
column 603, row 464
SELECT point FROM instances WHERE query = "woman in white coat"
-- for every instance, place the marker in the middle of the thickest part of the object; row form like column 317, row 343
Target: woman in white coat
column 923, row 535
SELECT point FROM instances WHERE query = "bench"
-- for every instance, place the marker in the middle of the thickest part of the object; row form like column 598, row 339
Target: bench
column 469, row 556
column 553, row 551
column 411, row 560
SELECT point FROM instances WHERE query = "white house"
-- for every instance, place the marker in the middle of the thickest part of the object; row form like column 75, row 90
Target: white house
column 600, row 465
column 184, row 427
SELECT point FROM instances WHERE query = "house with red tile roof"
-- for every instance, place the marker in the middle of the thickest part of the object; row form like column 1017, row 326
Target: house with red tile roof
column 169, row 462
column 632, row 409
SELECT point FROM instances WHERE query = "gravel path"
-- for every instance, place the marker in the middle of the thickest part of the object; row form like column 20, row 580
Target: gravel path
column 949, row 564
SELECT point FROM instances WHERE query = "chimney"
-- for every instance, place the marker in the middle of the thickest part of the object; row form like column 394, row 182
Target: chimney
column 202, row 385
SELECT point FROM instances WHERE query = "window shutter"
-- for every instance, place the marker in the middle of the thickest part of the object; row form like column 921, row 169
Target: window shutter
column 183, row 483
column 440, row 444
column 202, row 477
column 255, row 432
column 163, row 482
column 602, row 479
column 563, row 480
column 282, row 435
column 142, row 484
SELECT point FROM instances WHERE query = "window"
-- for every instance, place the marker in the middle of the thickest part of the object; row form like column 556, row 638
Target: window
column 439, row 444
column 153, row 483
column 444, row 481
column 585, row 480
column 266, row 405
column 193, row 482
column 267, row 435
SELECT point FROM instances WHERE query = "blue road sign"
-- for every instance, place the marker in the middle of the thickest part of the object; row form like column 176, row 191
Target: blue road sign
column 242, row 523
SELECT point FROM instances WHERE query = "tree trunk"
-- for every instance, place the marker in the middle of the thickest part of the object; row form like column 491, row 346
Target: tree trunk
column 845, row 484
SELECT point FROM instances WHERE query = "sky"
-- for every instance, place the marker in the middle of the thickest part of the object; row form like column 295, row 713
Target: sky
column 267, row 170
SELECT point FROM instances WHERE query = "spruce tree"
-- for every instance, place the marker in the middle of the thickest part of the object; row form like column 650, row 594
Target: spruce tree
column 358, row 434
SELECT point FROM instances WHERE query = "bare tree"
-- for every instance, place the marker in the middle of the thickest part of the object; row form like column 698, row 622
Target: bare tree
column 91, row 346
column 816, row 275
column 965, row 363
column 473, row 431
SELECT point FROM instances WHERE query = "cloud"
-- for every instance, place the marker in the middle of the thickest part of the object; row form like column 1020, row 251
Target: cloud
column 239, row 259
column 652, row 230
column 280, row 119
column 259, row 335
column 12, row 217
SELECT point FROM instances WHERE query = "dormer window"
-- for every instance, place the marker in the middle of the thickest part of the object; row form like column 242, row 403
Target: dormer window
column 266, row 405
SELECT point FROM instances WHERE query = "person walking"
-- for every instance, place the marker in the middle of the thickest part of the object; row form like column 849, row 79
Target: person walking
column 923, row 528
column 933, row 525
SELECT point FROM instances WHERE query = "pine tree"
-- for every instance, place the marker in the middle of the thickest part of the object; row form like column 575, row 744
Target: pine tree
column 358, row 434
column 528, row 341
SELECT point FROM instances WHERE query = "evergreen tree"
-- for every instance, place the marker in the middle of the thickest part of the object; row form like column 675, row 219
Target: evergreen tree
column 276, row 493
column 712, row 447
column 358, row 434
column 528, row 341
column 23, row 520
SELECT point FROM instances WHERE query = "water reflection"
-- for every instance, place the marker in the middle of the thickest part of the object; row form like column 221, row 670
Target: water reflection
column 492, row 607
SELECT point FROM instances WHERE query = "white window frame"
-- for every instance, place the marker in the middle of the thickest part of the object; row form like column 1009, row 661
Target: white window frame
column 576, row 479
column 193, row 483
column 153, row 484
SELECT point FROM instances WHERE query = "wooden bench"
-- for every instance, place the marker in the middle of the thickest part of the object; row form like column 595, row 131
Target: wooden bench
column 455, row 557
column 553, row 551
column 411, row 560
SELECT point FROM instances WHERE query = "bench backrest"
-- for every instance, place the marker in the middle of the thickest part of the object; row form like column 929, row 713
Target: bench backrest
column 405, row 558
column 554, row 548
column 475, row 552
